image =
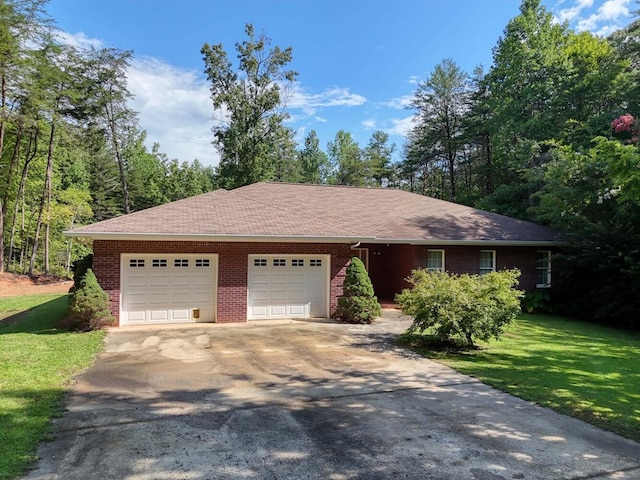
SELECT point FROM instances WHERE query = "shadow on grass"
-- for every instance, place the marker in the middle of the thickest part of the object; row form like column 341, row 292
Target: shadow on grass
column 584, row 370
column 41, row 319
column 25, row 419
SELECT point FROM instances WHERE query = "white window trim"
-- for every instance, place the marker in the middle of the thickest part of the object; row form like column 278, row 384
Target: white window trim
column 548, row 283
column 442, row 254
column 493, row 262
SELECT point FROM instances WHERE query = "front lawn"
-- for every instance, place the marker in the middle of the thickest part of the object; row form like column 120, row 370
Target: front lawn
column 37, row 362
column 580, row 369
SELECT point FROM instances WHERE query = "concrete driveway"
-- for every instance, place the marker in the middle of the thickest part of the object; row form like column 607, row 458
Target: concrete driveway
column 307, row 400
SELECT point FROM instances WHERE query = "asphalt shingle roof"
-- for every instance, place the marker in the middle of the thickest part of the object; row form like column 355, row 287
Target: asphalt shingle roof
column 299, row 210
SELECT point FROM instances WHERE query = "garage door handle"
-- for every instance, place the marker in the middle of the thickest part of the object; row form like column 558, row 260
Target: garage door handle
column 196, row 313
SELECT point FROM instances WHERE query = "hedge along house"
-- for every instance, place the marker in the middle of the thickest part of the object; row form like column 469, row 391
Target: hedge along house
column 273, row 250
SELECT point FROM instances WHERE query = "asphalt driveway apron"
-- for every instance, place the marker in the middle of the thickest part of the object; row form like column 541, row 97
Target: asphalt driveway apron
column 307, row 400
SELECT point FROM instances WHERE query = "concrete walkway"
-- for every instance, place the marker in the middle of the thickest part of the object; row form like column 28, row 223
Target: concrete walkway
column 307, row 400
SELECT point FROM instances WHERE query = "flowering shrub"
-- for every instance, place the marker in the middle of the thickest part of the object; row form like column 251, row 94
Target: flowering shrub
column 623, row 123
column 626, row 127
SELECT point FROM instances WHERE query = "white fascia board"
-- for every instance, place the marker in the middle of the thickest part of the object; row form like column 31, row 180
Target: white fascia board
column 485, row 243
column 158, row 237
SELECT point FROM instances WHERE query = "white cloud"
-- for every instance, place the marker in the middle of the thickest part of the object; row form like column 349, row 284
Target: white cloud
column 400, row 103
column 568, row 14
column 174, row 108
column 309, row 103
column 369, row 124
column 610, row 12
column 173, row 105
column 79, row 40
column 401, row 126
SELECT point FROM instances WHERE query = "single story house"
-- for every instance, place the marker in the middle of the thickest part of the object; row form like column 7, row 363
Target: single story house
column 276, row 250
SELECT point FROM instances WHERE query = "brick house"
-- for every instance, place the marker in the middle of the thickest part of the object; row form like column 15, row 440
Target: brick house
column 273, row 250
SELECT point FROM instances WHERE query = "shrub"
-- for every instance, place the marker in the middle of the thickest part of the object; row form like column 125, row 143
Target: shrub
column 461, row 306
column 80, row 267
column 358, row 303
column 89, row 306
column 537, row 301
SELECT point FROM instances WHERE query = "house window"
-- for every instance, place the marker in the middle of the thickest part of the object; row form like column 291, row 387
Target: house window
column 180, row 262
column 543, row 269
column 159, row 262
column 315, row 262
column 279, row 262
column 435, row 260
column 136, row 262
column 297, row 262
column 487, row 261
column 259, row 262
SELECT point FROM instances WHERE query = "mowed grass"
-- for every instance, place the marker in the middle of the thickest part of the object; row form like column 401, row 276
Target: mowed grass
column 580, row 369
column 37, row 362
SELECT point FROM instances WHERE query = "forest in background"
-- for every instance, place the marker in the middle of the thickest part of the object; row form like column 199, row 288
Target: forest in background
column 547, row 133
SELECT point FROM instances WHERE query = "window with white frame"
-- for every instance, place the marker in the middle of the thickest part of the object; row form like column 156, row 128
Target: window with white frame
column 487, row 261
column 435, row 260
column 543, row 269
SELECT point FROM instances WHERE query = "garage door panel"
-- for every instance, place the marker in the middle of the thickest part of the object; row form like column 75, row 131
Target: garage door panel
column 260, row 278
column 298, row 310
column 168, row 289
column 277, row 310
column 281, row 286
column 278, row 279
column 158, row 315
column 137, row 315
column 259, row 296
column 158, row 282
column 138, row 280
column 180, row 315
column 180, row 280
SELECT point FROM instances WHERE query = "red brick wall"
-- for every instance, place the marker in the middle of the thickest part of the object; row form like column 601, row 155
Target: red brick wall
column 459, row 259
column 232, row 267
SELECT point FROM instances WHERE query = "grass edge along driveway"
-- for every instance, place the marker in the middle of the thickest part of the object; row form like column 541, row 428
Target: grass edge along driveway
column 38, row 360
column 588, row 371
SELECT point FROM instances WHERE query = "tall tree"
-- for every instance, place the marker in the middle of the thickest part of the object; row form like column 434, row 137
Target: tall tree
column 108, row 96
column 348, row 166
column 22, row 24
column 314, row 164
column 377, row 154
column 440, row 103
column 250, row 136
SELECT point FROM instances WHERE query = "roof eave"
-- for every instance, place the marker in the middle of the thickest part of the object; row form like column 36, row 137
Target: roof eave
column 215, row 238
column 472, row 242
column 305, row 239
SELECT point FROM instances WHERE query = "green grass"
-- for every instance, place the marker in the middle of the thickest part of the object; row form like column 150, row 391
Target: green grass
column 37, row 362
column 580, row 369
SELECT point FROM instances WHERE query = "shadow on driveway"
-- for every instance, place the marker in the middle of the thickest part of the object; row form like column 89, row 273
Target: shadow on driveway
column 313, row 400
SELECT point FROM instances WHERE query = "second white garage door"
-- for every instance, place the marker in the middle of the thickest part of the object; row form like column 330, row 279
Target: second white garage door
column 288, row 286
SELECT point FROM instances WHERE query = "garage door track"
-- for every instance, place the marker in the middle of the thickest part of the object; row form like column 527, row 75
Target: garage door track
column 307, row 400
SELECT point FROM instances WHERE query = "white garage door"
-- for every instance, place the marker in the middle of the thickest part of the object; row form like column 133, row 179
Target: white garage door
column 160, row 288
column 287, row 286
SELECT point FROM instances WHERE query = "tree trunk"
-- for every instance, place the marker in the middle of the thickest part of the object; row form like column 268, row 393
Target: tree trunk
column 44, row 204
column 121, row 166
column 3, row 102
column 32, row 148
column 1, row 237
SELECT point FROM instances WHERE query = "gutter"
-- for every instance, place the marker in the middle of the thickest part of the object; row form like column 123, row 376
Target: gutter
column 355, row 241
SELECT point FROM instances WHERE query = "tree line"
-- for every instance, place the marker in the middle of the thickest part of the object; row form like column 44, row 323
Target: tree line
column 547, row 133
column 71, row 149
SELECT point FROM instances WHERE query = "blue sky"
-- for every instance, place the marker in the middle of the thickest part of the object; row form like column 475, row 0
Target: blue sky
column 359, row 61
